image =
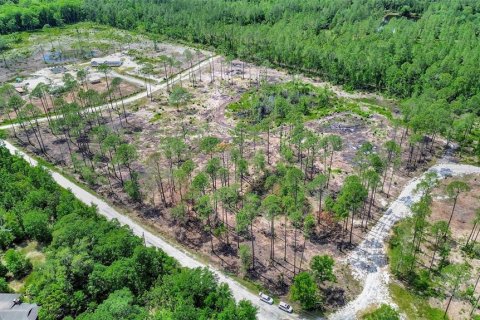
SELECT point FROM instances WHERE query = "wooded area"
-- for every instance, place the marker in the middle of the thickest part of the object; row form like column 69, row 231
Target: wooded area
column 29, row 15
column 426, row 49
column 94, row 268
column 256, row 164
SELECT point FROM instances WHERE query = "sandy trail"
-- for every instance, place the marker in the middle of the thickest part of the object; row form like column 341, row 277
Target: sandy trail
column 265, row 311
column 128, row 78
column 134, row 97
column 369, row 262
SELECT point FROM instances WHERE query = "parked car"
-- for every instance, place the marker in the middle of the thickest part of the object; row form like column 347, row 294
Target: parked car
column 265, row 298
column 285, row 307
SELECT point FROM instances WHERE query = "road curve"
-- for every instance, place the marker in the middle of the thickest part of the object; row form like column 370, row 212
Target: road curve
column 369, row 262
column 265, row 311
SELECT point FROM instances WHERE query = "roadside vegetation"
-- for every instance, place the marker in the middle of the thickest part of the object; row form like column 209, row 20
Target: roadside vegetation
column 433, row 254
column 94, row 268
column 414, row 306
column 247, row 158
column 384, row 312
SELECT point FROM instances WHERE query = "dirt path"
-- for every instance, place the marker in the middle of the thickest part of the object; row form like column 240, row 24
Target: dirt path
column 135, row 97
column 128, row 78
column 368, row 261
column 265, row 311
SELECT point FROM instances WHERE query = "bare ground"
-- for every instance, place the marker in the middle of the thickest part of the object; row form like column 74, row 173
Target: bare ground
column 461, row 226
column 150, row 123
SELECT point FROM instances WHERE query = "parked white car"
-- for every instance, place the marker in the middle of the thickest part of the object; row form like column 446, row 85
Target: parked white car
column 285, row 307
column 265, row 298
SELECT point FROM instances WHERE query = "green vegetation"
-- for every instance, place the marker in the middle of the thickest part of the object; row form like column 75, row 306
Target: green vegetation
column 305, row 291
column 20, row 15
column 322, row 268
column 17, row 264
column 414, row 306
column 94, row 268
column 288, row 102
column 283, row 102
column 420, row 252
column 384, row 312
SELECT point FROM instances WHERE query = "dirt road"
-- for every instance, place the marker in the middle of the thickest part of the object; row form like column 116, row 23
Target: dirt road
column 369, row 262
column 265, row 311
column 134, row 97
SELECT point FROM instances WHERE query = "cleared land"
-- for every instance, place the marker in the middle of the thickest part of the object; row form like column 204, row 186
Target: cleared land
column 158, row 124
column 150, row 121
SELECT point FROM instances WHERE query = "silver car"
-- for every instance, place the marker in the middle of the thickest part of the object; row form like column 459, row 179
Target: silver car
column 265, row 298
column 285, row 307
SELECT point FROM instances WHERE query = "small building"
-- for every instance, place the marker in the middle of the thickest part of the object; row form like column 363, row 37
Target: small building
column 110, row 63
column 12, row 308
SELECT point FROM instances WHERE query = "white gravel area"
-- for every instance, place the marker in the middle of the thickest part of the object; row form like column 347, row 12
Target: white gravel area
column 369, row 262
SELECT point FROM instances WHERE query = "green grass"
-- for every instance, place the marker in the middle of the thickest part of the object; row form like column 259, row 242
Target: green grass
column 414, row 306
column 156, row 117
column 33, row 251
column 381, row 110
column 383, row 312
column 286, row 101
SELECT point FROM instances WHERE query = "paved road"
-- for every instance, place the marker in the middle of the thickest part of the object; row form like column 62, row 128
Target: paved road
column 265, row 311
column 369, row 262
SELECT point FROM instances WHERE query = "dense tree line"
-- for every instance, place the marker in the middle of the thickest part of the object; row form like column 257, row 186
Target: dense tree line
column 406, row 48
column 94, row 268
column 30, row 15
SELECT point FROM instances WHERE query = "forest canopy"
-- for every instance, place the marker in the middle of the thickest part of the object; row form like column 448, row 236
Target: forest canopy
column 35, row 14
column 94, row 268
column 406, row 48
